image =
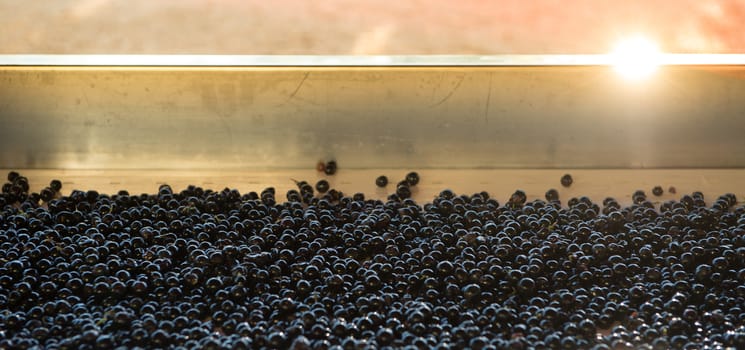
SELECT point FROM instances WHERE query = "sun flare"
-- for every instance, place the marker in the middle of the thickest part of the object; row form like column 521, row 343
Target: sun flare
column 636, row 58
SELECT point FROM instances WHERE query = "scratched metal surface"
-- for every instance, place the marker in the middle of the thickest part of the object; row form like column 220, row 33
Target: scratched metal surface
column 369, row 117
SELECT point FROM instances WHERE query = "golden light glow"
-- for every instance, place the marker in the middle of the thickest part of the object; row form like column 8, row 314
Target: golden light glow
column 636, row 58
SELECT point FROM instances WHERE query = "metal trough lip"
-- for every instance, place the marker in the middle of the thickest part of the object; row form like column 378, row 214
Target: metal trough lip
column 354, row 61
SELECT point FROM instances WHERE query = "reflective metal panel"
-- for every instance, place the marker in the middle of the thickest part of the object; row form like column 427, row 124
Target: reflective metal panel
column 270, row 117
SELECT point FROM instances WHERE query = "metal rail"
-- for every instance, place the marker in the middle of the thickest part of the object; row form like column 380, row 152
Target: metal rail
column 352, row 61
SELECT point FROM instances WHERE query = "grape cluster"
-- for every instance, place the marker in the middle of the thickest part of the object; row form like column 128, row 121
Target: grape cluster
column 220, row 269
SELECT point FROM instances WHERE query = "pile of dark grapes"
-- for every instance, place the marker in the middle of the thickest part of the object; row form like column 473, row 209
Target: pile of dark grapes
column 220, row 269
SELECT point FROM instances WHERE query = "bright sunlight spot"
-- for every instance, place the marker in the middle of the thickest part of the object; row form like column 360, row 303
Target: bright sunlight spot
column 636, row 58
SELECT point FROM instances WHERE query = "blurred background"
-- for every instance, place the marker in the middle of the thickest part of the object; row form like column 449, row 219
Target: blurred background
column 366, row 26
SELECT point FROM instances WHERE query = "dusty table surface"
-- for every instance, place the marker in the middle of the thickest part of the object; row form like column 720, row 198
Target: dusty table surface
column 500, row 184
column 365, row 26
